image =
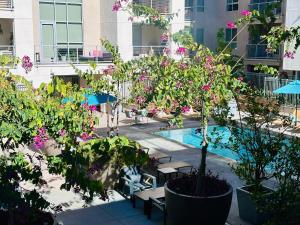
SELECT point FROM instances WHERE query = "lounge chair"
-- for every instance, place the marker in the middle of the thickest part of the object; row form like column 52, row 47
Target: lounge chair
column 133, row 181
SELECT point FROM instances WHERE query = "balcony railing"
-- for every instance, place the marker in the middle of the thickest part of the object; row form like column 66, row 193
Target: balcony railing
column 162, row 6
column 48, row 54
column 6, row 4
column 148, row 50
column 261, row 6
column 189, row 13
column 260, row 51
column 7, row 50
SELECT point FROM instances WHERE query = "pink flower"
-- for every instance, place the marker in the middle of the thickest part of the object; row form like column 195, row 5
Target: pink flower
column 85, row 136
column 181, row 51
column 117, row 6
column 164, row 63
column 155, row 18
column 289, row 55
column 185, row 109
column 148, row 89
column 240, row 78
column 206, row 87
column 231, row 25
column 246, row 13
column 164, row 37
column 140, row 99
column 26, row 64
column 183, row 66
column 167, row 51
column 41, row 138
column 109, row 70
column 179, row 85
column 191, row 82
column 153, row 111
column 93, row 108
column 62, row 132
column 130, row 18
column 209, row 62
column 144, row 76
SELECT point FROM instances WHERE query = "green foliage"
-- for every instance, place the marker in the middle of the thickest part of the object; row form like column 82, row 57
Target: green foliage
column 266, row 69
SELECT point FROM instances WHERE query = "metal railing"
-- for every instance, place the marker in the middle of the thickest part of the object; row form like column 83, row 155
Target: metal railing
column 257, row 79
column 61, row 54
column 7, row 50
column 261, row 6
column 260, row 51
column 6, row 4
column 162, row 6
column 189, row 13
column 148, row 50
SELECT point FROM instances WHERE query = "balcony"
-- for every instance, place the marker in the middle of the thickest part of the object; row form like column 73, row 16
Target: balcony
column 59, row 54
column 8, row 50
column 259, row 51
column 6, row 4
column 188, row 14
column 141, row 51
column 162, row 6
column 262, row 6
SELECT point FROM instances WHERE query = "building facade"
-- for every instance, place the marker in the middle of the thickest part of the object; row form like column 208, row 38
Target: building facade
column 55, row 33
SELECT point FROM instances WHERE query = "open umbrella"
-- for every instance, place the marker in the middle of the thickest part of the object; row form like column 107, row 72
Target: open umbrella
column 94, row 99
column 291, row 88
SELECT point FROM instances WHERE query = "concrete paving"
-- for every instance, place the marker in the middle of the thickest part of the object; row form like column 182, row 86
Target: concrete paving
column 118, row 211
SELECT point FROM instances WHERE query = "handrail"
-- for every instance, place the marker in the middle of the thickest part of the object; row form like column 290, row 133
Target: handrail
column 259, row 51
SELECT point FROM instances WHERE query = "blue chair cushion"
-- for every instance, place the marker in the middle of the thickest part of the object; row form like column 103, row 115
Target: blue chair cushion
column 134, row 178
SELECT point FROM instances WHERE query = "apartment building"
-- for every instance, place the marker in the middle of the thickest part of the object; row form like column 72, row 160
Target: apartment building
column 55, row 33
column 206, row 17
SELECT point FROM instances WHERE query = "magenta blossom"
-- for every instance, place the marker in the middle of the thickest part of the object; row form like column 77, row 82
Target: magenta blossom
column 181, row 51
column 85, row 136
column 167, row 51
column 144, row 76
column 62, row 133
column 240, row 78
column 185, row 109
column 153, row 111
column 246, row 13
column 93, row 108
column 148, row 89
column 179, row 85
column 140, row 99
column 164, row 37
column 289, row 55
column 183, row 66
column 206, row 87
column 231, row 25
column 165, row 63
column 27, row 64
column 41, row 138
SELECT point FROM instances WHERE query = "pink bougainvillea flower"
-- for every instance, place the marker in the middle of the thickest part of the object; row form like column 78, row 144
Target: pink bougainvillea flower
column 183, row 66
column 165, row 63
column 62, row 133
column 181, row 51
column 164, row 37
column 179, row 85
column 93, row 108
column 167, row 51
column 209, row 62
column 85, row 136
column 153, row 111
column 140, row 99
column 109, row 70
column 26, row 63
column 240, row 78
column 117, row 6
column 130, row 18
column 148, row 89
column 206, row 87
column 185, row 109
column 246, row 13
column 144, row 76
column 41, row 138
column 231, row 25
column 289, row 55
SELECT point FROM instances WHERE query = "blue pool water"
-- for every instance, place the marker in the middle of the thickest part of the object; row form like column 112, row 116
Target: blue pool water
column 190, row 137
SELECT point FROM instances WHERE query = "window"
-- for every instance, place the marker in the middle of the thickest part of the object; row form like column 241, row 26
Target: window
column 232, row 5
column 62, row 21
column 230, row 34
column 200, row 5
column 200, row 35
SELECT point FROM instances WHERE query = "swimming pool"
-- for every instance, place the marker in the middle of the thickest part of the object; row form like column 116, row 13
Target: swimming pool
column 190, row 137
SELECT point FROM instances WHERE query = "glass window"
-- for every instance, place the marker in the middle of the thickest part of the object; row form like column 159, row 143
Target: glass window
column 74, row 13
column 232, row 5
column 231, row 34
column 47, row 11
column 200, row 6
column 75, row 33
column 61, row 12
column 62, row 33
column 200, row 36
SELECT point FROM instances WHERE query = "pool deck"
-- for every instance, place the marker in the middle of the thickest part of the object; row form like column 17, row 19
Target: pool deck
column 118, row 211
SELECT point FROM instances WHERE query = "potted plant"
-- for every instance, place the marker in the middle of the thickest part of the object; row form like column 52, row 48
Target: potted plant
column 257, row 147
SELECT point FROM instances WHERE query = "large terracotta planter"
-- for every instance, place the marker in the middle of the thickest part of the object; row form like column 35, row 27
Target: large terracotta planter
column 193, row 210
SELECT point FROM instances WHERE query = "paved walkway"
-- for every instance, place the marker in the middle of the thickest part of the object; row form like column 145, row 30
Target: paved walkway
column 118, row 211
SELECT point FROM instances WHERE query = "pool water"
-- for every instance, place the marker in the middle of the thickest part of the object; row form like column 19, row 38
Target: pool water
column 191, row 137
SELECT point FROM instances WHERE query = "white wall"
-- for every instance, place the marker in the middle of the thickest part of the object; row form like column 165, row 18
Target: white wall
column 292, row 20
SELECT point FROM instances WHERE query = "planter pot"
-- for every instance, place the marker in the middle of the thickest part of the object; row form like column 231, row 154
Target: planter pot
column 248, row 208
column 193, row 210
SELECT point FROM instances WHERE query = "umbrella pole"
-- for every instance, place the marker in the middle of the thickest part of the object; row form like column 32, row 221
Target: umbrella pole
column 296, row 119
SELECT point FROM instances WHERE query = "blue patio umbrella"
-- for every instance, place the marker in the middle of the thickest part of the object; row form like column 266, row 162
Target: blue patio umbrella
column 291, row 88
column 95, row 99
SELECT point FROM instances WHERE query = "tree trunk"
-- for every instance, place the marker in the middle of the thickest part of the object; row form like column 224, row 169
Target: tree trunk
column 200, row 187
